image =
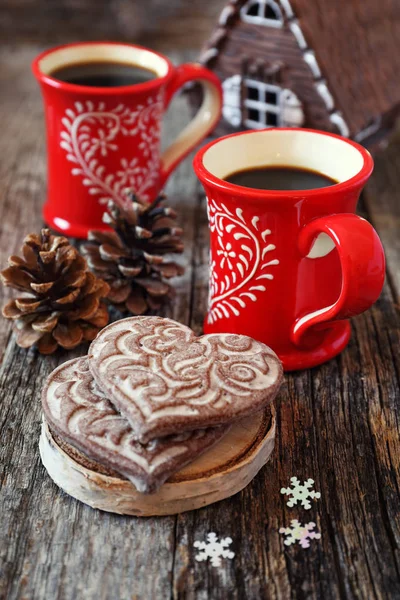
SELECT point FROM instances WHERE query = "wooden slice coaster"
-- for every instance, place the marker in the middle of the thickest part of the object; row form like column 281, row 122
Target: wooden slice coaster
column 221, row 472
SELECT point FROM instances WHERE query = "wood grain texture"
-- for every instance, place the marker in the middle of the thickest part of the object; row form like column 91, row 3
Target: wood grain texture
column 154, row 23
column 338, row 423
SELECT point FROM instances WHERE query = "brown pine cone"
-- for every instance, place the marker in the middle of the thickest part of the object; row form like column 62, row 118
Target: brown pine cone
column 132, row 257
column 61, row 304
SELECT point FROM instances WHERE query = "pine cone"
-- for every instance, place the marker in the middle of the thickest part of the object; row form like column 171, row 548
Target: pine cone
column 132, row 257
column 61, row 305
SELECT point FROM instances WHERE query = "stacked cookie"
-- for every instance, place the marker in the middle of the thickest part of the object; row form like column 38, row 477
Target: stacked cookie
column 151, row 397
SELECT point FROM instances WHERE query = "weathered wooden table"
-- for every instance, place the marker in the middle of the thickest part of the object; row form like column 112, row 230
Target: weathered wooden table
column 338, row 423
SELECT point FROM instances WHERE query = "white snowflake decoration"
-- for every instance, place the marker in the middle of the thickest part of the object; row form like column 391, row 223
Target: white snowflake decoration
column 299, row 533
column 300, row 492
column 214, row 549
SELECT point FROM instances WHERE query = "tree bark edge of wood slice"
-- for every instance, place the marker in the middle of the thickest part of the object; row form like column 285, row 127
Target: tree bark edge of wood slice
column 222, row 471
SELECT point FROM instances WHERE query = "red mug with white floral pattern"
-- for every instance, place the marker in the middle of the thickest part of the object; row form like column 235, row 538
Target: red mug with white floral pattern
column 101, row 140
column 289, row 267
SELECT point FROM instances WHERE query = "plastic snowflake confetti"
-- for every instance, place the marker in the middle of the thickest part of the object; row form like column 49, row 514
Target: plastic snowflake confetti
column 214, row 549
column 299, row 533
column 300, row 492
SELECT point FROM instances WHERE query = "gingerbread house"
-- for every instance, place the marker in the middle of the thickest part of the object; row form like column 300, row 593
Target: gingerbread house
column 326, row 65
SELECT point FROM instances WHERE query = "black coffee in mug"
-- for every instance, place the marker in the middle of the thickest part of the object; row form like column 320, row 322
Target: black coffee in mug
column 280, row 178
column 103, row 74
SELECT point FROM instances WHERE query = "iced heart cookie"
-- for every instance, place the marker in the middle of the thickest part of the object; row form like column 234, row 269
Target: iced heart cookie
column 78, row 412
column 165, row 380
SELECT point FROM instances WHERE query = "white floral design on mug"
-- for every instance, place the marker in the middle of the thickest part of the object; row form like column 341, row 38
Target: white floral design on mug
column 90, row 134
column 238, row 272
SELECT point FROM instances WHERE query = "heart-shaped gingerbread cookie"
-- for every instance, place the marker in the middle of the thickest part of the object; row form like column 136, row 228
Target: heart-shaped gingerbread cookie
column 165, row 380
column 81, row 415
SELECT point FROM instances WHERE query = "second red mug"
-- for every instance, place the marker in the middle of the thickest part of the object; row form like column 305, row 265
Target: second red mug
column 289, row 267
column 101, row 140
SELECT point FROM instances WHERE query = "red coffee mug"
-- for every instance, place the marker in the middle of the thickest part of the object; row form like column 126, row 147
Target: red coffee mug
column 289, row 267
column 102, row 140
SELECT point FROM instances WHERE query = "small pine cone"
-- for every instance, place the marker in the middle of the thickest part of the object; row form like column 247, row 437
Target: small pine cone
column 62, row 300
column 132, row 258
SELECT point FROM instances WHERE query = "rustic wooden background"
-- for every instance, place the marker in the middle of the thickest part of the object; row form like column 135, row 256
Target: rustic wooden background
column 160, row 24
column 338, row 423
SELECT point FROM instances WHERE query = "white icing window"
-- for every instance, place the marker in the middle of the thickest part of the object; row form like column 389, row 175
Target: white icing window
column 262, row 12
column 262, row 104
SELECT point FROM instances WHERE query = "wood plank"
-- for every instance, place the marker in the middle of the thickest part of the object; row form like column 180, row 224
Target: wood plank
column 51, row 545
column 174, row 24
column 382, row 199
column 22, row 165
column 338, row 423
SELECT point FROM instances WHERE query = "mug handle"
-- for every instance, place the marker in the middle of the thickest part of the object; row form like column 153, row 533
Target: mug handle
column 202, row 123
column 363, row 266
